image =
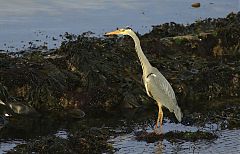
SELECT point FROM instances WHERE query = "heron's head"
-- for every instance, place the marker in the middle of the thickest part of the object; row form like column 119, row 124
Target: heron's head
column 126, row 31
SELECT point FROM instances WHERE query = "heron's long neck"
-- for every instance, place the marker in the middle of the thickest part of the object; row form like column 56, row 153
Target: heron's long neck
column 144, row 62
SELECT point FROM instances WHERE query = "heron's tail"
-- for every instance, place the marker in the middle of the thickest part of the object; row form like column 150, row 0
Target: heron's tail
column 178, row 113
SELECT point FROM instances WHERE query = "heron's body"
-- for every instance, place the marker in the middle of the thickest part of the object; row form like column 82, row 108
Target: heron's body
column 161, row 91
column 157, row 86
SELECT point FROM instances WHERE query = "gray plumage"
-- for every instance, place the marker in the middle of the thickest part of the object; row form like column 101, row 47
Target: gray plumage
column 161, row 91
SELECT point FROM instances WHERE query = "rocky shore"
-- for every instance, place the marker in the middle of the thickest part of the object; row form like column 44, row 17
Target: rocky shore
column 96, row 76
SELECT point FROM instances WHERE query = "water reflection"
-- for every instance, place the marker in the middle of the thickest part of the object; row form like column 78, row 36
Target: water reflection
column 6, row 145
column 159, row 148
column 20, row 19
column 228, row 142
column 62, row 134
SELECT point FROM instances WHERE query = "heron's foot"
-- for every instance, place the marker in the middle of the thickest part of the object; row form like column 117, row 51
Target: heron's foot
column 158, row 130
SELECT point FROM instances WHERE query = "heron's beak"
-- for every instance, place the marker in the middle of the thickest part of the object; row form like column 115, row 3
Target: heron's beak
column 116, row 32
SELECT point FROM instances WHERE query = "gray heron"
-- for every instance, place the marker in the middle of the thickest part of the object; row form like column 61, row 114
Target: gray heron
column 157, row 86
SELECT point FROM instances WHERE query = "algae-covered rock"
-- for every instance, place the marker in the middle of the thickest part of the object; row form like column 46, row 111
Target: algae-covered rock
column 85, row 142
column 49, row 144
column 200, row 60
column 174, row 136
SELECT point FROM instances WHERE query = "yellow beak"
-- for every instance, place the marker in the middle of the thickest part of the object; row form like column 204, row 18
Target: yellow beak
column 116, row 32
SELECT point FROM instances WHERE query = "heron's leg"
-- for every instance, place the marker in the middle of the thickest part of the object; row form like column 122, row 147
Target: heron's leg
column 157, row 123
column 160, row 117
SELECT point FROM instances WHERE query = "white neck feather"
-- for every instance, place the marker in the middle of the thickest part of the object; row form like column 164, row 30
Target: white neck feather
column 143, row 59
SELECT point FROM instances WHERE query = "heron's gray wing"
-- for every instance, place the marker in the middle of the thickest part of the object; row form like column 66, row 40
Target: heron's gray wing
column 160, row 89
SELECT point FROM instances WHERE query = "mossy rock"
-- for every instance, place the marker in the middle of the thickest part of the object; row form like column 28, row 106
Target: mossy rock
column 175, row 136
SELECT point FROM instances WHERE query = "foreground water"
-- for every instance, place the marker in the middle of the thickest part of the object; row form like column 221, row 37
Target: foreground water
column 125, row 141
column 29, row 22
column 228, row 142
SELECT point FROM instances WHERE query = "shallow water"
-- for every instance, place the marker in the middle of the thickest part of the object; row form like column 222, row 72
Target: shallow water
column 124, row 140
column 39, row 21
column 6, row 145
column 228, row 142
column 62, row 134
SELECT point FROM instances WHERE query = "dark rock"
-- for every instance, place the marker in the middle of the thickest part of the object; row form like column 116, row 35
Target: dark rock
column 195, row 5
column 82, row 142
column 174, row 136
